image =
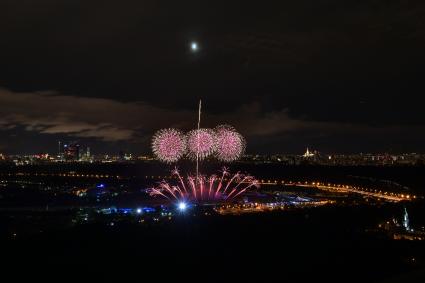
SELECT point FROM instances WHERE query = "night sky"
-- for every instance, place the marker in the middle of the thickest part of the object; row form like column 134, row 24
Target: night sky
column 339, row 76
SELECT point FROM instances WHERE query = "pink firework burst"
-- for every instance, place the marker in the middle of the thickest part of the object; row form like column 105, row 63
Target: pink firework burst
column 230, row 145
column 200, row 143
column 224, row 187
column 169, row 145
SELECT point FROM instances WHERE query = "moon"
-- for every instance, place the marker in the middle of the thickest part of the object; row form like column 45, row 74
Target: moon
column 194, row 46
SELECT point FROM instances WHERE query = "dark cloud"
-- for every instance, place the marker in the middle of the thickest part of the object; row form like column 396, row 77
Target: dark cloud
column 110, row 120
column 104, row 120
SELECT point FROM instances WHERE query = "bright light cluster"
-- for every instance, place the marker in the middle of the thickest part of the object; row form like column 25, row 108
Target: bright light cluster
column 224, row 142
column 224, row 187
column 182, row 206
column 169, row 145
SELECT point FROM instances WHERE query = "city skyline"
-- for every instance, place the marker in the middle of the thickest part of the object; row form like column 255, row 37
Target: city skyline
column 116, row 150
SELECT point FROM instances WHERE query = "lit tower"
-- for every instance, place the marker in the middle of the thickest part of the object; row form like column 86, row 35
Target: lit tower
column 406, row 220
column 308, row 153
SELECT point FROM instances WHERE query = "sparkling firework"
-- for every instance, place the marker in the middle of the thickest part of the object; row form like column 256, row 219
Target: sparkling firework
column 230, row 145
column 223, row 187
column 169, row 145
column 200, row 143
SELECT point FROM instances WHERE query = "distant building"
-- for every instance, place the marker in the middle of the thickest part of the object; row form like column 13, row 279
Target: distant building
column 406, row 220
column 86, row 156
column 308, row 154
column 402, row 231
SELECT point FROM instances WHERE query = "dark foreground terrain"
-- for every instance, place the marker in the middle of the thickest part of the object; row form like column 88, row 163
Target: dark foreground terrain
column 41, row 241
column 320, row 244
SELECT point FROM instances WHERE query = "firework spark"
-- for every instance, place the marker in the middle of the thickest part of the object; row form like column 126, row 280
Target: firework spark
column 230, row 145
column 200, row 143
column 224, row 187
column 169, row 145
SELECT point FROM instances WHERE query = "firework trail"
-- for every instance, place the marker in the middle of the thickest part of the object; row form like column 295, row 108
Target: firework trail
column 204, row 189
column 169, row 145
column 199, row 127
